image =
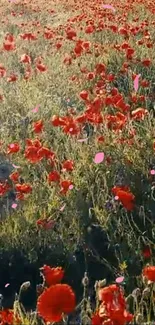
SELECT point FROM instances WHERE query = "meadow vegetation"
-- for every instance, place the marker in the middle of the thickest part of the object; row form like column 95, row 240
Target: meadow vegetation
column 77, row 160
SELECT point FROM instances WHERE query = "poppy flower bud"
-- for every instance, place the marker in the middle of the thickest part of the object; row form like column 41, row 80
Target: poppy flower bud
column 102, row 283
column 139, row 319
column 85, row 280
column 136, row 293
column 25, row 285
column 146, row 292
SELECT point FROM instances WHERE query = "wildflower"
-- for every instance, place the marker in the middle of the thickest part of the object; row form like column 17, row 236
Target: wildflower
column 13, row 148
column 52, row 275
column 84, row 94
column 4, row 187
column 55, row 301
column 112, row 309
column 32, row 151
column 9, row 46
column 149, row 273
column 71, row 33
column 68, row 165
column 65, row 186
column 25, row 58
column 2, row 71
column 100, row 67
column 48, row 34
column 139, row 114
column 14, row 176
column 7, row 317
column 41, row 67
column 89, row 29
column 12, row 78
column 57, row 121
column 125, row 197
column 23, row 188
column 45, row 224
column 146, row 252
column 146, row 62
column 28, row 36
column 38, row 126
column 54, row 176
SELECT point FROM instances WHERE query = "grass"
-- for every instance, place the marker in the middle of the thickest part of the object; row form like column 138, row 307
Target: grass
column 127, row 135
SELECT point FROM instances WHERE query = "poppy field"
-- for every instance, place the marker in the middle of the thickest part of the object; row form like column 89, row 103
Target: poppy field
column 77, row 162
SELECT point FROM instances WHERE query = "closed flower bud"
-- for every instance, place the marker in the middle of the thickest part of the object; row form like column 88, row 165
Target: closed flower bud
column 102, row 283
column 96, row 285
column 85, row 280
column 25, row 286
column 136, row 292
column 146, row 292
column 139, row 319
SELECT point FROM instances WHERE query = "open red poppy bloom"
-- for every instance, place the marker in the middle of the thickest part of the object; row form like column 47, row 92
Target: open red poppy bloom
column 149, row 273
column 14, row 176
column 23, row 188
column 55, row 301
column 112, row 310
column 68, row 165
column 53, row 176
column 52, row 275
column 13, row 148
column 38, row 126
column 125, row 197
column 7, row 317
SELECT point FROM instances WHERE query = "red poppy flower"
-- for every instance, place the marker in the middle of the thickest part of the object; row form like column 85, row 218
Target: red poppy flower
column 12, row 78
column 31, row 153
column 146, row 252
column 23, row 188
column 28, row 36
column 71, row 127
column 65, row 186
column 54, row 176
column 97, row 320
column 107, row 294
column 41, row 67
column 55, row 301
column 9, row 37
column 100, row 67
column 2, row 71
column 123, row 31
column 45, row 224
column 146, row 62
column 4, row 187
column 46, row 153
column 7, row 317
column 57, row 121
column 68, row 165
column 13, row 148
column 113, row 306
column 149, row 273
column 71, row 33
column 14, row 176
column 52, row 275
column 48, row 35
column 25, row 58
column 38, row 126
column 125, row 197
column 84, row 95
column 139, row 114
column 89, row 29
column 78, row 49
column 9, row 46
